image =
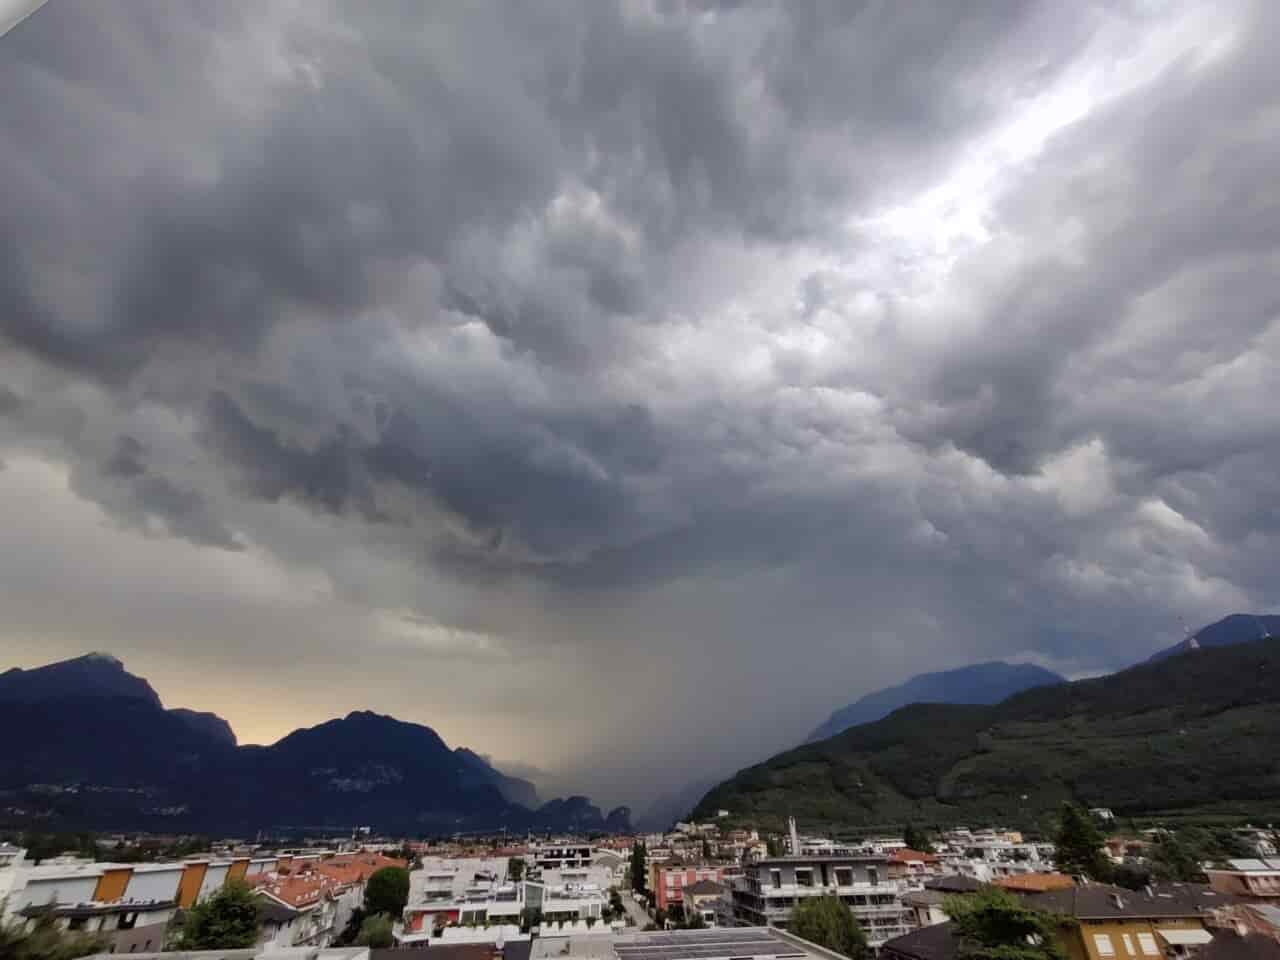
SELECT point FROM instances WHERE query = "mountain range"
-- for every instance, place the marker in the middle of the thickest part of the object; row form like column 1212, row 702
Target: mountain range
column 94, row 748
column 979, row 683
column 1197, row 733
column 1235, row 628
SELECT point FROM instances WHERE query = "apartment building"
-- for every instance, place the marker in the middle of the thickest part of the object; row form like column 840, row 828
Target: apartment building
column 554, row 856
column 668, row 881
column 448, row 896
column 1166, row 923
column 1170, row 922
column 770, row 888
column 304, row 910
column 131, row 904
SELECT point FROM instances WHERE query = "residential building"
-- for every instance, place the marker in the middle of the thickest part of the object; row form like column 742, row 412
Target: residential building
column 704, row 898
column 914, row 866
column 926, row 907
column 1119, row 924
column 667, row 881
column 1112, row 923
column 1257, row 879
column 1246, row 918
column 770, row 888
column 446, row 896
column 549, row 856
column 133, row 904
column 130, row 904
column 307, row 908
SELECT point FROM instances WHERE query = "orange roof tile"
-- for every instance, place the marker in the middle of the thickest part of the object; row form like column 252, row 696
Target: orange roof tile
column 1036, row 882
column 906, row 854
column 301, row 889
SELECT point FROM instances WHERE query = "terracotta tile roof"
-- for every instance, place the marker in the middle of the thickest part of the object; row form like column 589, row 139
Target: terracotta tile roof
column 1035, row 882
column 906, row 855
column 356, row 867
column 299, row 890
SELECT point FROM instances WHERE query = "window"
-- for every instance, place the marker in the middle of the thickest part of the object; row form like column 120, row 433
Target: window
column 804, row 878
column 76, row 923
column 1102, row 942
column 1128, row 945
column 776, row 877
column 1148, row 943
column 844, row 877
column 873, row 876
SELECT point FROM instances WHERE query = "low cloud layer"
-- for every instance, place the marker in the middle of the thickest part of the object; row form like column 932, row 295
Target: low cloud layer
column 619, row 388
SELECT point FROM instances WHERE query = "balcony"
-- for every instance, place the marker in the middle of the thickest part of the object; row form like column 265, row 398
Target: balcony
column 890, row 887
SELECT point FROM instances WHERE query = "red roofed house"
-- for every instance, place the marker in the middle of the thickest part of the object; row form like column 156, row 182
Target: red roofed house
column 669, row 880
column 308, row 908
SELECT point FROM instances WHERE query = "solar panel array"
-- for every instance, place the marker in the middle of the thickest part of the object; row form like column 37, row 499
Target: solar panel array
column 706, row 945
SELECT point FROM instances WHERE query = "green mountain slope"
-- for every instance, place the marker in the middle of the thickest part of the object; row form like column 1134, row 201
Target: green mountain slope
column 1198, row 733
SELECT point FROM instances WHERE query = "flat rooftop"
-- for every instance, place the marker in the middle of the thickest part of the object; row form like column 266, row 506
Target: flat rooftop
column 756, row 943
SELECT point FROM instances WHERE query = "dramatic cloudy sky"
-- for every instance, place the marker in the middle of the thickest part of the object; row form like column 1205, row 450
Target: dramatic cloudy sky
column 621, row 387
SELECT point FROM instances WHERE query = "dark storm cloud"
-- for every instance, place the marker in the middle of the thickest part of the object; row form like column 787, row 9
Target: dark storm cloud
column 900, row 332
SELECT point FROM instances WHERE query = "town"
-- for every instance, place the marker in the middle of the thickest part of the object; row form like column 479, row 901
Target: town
column 699, row 891
column 640, row 479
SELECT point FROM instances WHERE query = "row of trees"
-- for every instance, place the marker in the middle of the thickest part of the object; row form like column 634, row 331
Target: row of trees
column 639, row 877
column 1172, row 855
column 41, row 846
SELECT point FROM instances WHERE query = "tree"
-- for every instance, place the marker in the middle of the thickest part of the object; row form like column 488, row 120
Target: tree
column 515, row 869
column 530, row 917
column 387, row 891
column 42, row 846
column 376, row 932
column 828, row 923
column 1223, row 843
column 1173, row 859
column 994, row 924
column 228, row 920
column 916, row 839
column 1132, row 876
column 639, row 856
column 1078, row 845
column 46, row 942
column 352, row 930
